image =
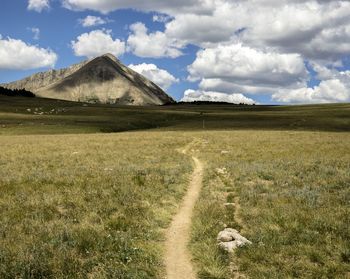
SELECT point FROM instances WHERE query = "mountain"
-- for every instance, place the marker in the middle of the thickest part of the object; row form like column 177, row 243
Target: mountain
column 100, row 80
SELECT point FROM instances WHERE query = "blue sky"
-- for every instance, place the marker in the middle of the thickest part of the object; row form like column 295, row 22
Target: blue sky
column 263, row 51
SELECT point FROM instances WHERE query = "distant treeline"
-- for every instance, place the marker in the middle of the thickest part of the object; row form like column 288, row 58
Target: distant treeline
column 16, row 92
column 209, row 103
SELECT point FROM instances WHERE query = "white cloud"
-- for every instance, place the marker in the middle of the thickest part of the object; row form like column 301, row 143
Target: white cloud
column 16, row 54
column 216, row 84
column 255, row 46
column 193, row 95
column 331, row 44
column 161, row 18
column 90, row 21
column 244, row 65
column 329, row 91
column 157, row 44
column 204, row 29
column 335, row 87
column 164, row 6
column 159, row 76
column 36, row 32
column 313, row 28
column 38, row 5
column 97, row 42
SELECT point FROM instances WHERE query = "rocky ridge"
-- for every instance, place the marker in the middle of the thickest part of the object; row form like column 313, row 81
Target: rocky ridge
column 103, row 79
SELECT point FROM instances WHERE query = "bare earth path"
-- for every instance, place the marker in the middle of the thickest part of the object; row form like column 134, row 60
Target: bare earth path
column 177, row 257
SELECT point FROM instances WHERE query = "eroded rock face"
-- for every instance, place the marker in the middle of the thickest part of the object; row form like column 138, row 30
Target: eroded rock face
column 101, row 80
column 230, row 239
column 42, row 79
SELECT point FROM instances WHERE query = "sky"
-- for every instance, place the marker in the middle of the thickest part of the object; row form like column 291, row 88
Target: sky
column 256, row 51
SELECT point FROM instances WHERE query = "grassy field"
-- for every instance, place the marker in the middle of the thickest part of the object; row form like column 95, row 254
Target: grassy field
column 88, row 207
column 291, row 195
column 78, row 201
column 45, row 116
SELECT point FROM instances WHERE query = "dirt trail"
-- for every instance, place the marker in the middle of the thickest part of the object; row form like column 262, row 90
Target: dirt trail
column 177, row 257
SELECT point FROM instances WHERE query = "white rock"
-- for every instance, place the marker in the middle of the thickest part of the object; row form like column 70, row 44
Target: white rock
column 225, row 236
column 229, row 239
column 228, row 246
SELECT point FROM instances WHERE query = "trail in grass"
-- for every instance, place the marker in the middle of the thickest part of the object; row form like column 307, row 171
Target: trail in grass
column 177, row 257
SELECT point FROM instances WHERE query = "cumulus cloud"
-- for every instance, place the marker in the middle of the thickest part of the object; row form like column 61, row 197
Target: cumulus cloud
column 313, row 28
column 329, row 91
column 216, row 84
column 195, row 95
column 164, row 6
column 255, row 46
column 38, row 5
column 330, row 44
column 334, row 87
column 90, row 21
column 16, row 54
column 244, row 65
column 290, row 25
column 160, row 77
column 97, row 42
column 156, row 44
column 204, row 29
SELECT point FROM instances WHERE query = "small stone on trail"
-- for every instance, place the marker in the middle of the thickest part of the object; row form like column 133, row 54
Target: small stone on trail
column 229, row 239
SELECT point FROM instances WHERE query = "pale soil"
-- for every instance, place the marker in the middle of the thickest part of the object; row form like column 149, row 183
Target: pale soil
column 177, row 256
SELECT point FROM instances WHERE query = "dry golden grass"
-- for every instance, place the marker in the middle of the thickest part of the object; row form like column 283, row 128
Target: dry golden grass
column 96, row 205
column 92, row 206
column 292, row 195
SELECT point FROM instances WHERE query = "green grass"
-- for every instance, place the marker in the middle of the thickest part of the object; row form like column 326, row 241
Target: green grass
column 292, row 195
column 45, row 116
column 88, row 207
column 80, row 201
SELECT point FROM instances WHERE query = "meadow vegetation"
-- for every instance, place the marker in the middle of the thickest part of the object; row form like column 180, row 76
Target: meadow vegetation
column 92, row 206
column 286, row 191
column 78, row 201
column 45, row 116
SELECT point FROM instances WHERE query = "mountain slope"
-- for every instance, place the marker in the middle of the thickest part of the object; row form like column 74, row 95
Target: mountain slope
column 101, row 80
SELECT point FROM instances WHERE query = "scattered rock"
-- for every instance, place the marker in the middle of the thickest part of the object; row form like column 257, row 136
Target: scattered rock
column 229, row 239
column 221, row 170
column 224, row 152
column 225, row 236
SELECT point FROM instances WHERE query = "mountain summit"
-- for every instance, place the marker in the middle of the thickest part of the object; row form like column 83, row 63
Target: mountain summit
column 100, row 80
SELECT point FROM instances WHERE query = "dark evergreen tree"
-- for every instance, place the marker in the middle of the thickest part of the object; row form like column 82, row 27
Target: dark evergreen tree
column 16, row 92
